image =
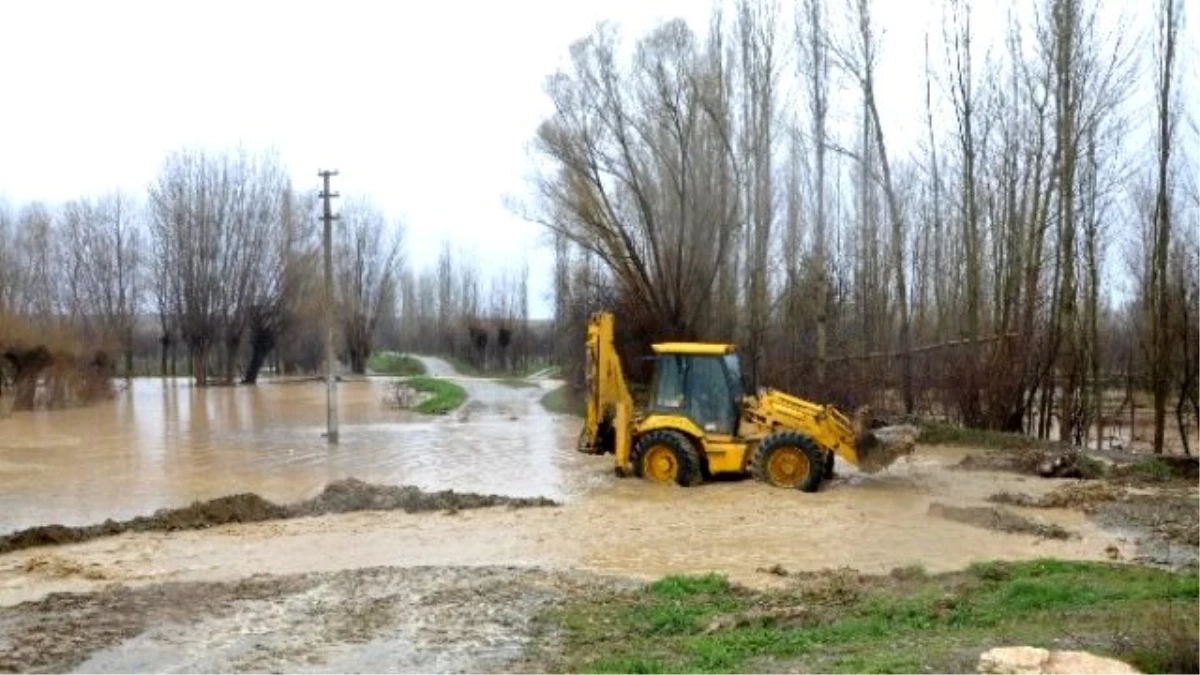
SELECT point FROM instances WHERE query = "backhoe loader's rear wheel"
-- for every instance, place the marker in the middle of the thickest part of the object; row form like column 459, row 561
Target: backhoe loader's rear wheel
column 665, row 457
column 789, row 459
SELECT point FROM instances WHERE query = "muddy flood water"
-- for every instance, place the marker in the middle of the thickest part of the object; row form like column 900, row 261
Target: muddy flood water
column 165, row 443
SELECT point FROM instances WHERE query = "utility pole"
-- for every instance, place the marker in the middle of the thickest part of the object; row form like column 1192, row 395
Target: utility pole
column 330, row 381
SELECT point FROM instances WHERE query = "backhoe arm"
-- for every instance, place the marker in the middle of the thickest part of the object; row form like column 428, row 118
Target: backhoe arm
column 608, row 423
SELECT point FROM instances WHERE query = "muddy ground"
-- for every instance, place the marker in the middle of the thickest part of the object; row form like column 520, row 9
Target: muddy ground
column 342, row 496
column 365, row 577
column 1151, row 501
column 417, row 619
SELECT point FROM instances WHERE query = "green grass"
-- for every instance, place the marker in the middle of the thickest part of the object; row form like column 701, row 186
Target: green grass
column 947, row 434
column 393, row 363
column 905, row 622
column 563, row 401
column 446, row 395
column 1155, row 471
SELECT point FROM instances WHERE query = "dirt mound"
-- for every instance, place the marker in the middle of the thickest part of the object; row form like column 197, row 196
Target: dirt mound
column 240, row 508
column 355, row 495
column 1047, row 463
column 1082, row 496
column 56, row 567
column 997, row 519
column 339, row 497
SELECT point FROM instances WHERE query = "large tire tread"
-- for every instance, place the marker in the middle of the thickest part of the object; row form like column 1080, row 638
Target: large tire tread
column 690, row 464
column 815, row 455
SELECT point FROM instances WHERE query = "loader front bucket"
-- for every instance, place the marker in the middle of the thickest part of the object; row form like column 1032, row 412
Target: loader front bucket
column 879, row 449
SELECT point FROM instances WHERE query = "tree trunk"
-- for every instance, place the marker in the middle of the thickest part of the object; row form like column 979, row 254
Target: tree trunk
column 165, row 344
column 28, row 366
column 200, row 366
column 261, row 344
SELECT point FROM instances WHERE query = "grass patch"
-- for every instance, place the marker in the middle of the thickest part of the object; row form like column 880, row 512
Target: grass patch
column 446, row 395
column 516, row 383
column 908, row 621
column 393, row 363
column 1156, row 470
column 563, row 401
column 948, row 434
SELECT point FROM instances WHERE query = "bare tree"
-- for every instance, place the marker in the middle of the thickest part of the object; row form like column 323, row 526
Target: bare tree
column 283, row 273
column 366, row 265
column 211, row 217
column 858, row 58
column 813, row 42
column 642, row 167
column 757, row 69
column 1158, row 305
column 103, row 250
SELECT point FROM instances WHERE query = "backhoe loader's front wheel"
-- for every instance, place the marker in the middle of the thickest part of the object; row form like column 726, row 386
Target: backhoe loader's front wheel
column 789, row 459
column 666, row 457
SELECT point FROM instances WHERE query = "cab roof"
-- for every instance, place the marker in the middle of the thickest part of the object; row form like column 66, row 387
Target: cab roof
column 694, row 348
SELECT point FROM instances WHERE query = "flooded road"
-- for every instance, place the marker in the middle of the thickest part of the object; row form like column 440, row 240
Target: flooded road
column 159, row 446
column 627, row 528
column 164, row 443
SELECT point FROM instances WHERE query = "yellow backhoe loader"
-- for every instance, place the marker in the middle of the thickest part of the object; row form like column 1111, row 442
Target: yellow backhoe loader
column 700, row 421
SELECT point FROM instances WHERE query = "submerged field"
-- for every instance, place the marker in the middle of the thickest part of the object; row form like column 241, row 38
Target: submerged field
column 957, row 548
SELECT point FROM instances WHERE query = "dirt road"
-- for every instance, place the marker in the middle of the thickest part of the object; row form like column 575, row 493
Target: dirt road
column 453, row 591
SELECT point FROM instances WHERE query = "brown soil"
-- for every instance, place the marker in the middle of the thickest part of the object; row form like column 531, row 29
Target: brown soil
column 428, row 619
column 1084, row 496
column 1047, row 463
column 56, row 567
column 1167, row 525
column 997, row 519
column 339, row 497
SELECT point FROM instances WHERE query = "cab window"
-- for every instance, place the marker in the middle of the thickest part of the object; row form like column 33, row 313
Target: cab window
column 711, row 404
column 668, row 382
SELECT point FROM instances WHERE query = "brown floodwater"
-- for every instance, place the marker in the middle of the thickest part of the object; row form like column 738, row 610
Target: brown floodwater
column 164, row 443
column 629, row 528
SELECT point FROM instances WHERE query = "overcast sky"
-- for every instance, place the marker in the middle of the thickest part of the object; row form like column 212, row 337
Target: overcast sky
column 429, row 108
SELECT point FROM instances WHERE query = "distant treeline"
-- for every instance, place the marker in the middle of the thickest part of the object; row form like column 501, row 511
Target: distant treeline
column 736, row 182
column 216, row 272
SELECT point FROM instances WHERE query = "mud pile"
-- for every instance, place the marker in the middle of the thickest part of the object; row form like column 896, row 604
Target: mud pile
column 1044, row 462
column 997, row 519
column 355, row 495
column 339, row 497
column 1082, row 496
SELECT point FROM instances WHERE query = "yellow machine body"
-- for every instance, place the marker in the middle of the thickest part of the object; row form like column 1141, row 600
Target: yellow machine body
column 803, row 436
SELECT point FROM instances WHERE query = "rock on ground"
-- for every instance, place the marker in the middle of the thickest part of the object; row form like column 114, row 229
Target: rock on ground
column 1037, row 661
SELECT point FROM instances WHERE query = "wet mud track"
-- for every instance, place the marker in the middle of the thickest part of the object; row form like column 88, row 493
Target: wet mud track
column 386, row 620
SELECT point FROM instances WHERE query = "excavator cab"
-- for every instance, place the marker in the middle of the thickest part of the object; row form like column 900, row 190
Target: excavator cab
column 699, row 381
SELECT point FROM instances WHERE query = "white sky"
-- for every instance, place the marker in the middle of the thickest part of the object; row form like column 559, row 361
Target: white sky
column 428, row 108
